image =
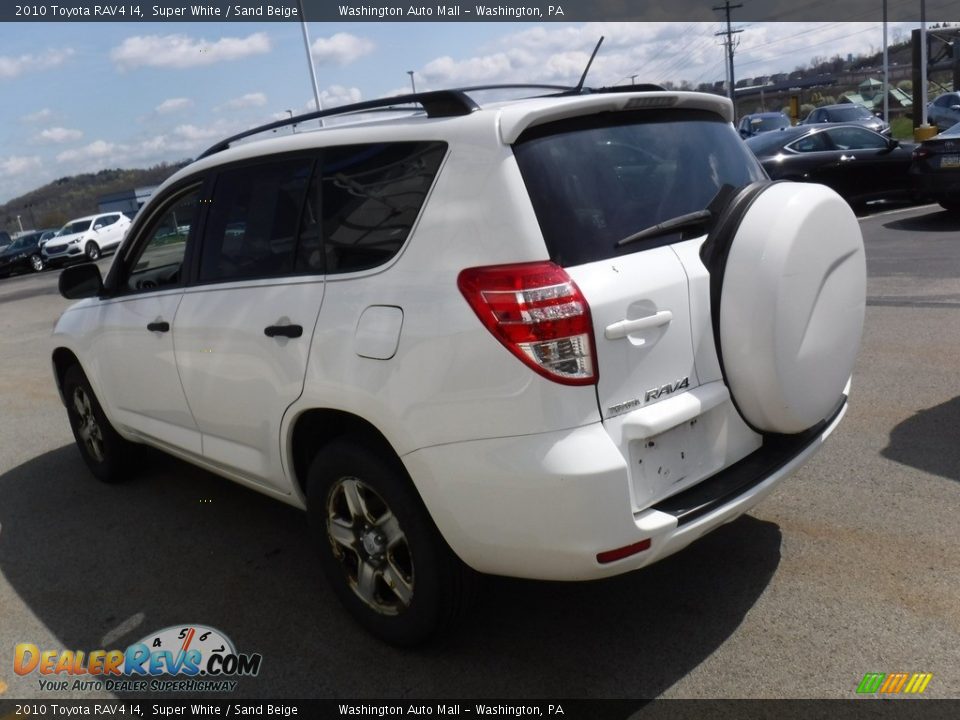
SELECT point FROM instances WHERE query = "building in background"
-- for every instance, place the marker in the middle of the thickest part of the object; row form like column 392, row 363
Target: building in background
column 128, row 202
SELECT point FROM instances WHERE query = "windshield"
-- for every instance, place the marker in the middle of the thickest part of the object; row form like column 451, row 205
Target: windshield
column 854, row 112
column 77, row 226
column 769, row 123
column 594, row 180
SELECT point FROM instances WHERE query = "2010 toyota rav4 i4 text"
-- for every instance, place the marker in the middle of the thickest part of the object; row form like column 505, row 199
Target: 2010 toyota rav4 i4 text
column 559, row 337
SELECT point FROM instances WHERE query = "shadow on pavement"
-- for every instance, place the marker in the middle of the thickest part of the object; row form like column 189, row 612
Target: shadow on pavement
column 179, row 546
column 933, row 221
column 928, row 440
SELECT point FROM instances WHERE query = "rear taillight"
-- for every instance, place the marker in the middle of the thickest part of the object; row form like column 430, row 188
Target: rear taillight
column 539, row 314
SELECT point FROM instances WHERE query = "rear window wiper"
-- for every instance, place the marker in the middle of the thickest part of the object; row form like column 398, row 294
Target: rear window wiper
column 681, row 222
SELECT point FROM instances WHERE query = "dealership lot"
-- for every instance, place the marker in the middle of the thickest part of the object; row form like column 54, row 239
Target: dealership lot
column 849, row 568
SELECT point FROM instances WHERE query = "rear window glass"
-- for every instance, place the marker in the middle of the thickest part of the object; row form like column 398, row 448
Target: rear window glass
column 364, row 203
column 598, row 179
column 854, row 112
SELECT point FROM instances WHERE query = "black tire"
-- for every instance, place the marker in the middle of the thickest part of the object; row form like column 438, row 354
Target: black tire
column 390, row 567
column 953, row 207
column 36, row 263
column 92, row 251
column 106, row 453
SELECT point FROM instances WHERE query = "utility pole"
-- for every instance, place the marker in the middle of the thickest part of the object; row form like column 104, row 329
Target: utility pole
column 413, row 85
column 730, row 32
column 633, row 79
column 886, row 69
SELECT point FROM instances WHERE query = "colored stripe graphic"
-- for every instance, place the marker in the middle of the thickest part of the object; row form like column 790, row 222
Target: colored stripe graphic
column 918, row 683
column 871, row 683
column 893, row 683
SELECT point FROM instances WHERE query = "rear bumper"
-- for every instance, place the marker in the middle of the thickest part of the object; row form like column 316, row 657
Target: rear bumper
column 936, row 186
column 543, row 506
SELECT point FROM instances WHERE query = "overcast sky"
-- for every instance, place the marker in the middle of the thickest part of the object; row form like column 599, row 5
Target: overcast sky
column 82, row 97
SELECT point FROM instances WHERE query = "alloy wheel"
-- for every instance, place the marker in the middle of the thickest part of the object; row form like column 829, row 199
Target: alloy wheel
column 88, row 429
column 370, row 545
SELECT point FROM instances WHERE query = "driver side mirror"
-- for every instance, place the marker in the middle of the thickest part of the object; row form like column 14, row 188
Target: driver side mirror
column 81, row 281
column 893, row 143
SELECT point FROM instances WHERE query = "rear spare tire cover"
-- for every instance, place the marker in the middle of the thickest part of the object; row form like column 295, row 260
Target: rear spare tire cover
column 791, row 306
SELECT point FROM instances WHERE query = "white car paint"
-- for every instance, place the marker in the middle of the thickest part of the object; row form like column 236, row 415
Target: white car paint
column 522, row 476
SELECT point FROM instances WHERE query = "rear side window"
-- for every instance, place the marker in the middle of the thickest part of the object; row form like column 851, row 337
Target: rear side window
column 598, row 179
column 252, row 225
column 363, row 203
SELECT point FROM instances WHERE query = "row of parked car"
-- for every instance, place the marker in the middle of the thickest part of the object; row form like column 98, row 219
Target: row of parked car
column 84, row 238
column 848, row 149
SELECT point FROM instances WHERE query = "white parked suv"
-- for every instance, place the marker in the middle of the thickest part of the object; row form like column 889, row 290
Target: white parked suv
column 86, row 238
column 559, row 337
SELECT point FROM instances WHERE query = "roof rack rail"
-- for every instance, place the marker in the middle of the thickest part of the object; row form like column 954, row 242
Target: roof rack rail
column 436, row 103
column 642, row 87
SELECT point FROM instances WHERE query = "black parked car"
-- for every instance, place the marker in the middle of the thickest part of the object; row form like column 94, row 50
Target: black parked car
column 859, row 164
column 757, row 123
column 935, row 172
column 21, row 255
column 849, row 114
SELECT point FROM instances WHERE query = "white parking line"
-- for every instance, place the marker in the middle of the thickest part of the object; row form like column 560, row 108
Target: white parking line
column 898, row 210
column 131, row 623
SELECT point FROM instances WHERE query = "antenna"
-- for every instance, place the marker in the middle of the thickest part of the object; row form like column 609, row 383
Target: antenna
column 583, row 77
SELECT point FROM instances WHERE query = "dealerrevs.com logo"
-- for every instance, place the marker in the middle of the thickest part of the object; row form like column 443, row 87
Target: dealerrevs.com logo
column 181, row 658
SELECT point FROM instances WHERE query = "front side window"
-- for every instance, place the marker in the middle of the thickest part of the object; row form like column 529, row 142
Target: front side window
column 594, row 180
column 252, row 224
column 815, row 142
column 159, row 261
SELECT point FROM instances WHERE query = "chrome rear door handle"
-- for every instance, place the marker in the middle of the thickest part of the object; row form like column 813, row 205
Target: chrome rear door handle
column 625, row 327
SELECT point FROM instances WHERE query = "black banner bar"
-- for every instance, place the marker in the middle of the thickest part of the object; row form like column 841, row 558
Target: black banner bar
column 463, row 11
column 459, row 709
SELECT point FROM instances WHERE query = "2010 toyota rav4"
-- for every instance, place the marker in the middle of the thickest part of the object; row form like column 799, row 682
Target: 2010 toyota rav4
column 559, row 337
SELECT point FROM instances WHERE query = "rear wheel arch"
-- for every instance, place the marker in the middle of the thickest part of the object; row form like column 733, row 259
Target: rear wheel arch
column 315, row 429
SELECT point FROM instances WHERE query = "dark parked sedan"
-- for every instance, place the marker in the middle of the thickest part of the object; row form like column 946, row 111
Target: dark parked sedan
column 757, row 123
column 22, row 254
column 935, row 172
column 848, row 114
column 859, row 164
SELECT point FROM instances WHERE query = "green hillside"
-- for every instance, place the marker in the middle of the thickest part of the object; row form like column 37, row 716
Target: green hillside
column 70, row 197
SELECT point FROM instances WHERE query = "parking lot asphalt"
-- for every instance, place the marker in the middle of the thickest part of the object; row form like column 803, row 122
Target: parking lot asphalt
column 850, row 567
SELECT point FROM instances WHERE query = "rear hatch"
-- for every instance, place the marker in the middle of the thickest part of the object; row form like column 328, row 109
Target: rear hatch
column 597, row 179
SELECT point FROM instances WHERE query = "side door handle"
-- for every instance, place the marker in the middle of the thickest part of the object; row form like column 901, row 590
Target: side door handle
column 624, row 327
column 159, row 326
column 288, row 331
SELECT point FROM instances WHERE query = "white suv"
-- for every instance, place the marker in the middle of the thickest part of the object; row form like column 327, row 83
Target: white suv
column 558, row 338
column 86, row 238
